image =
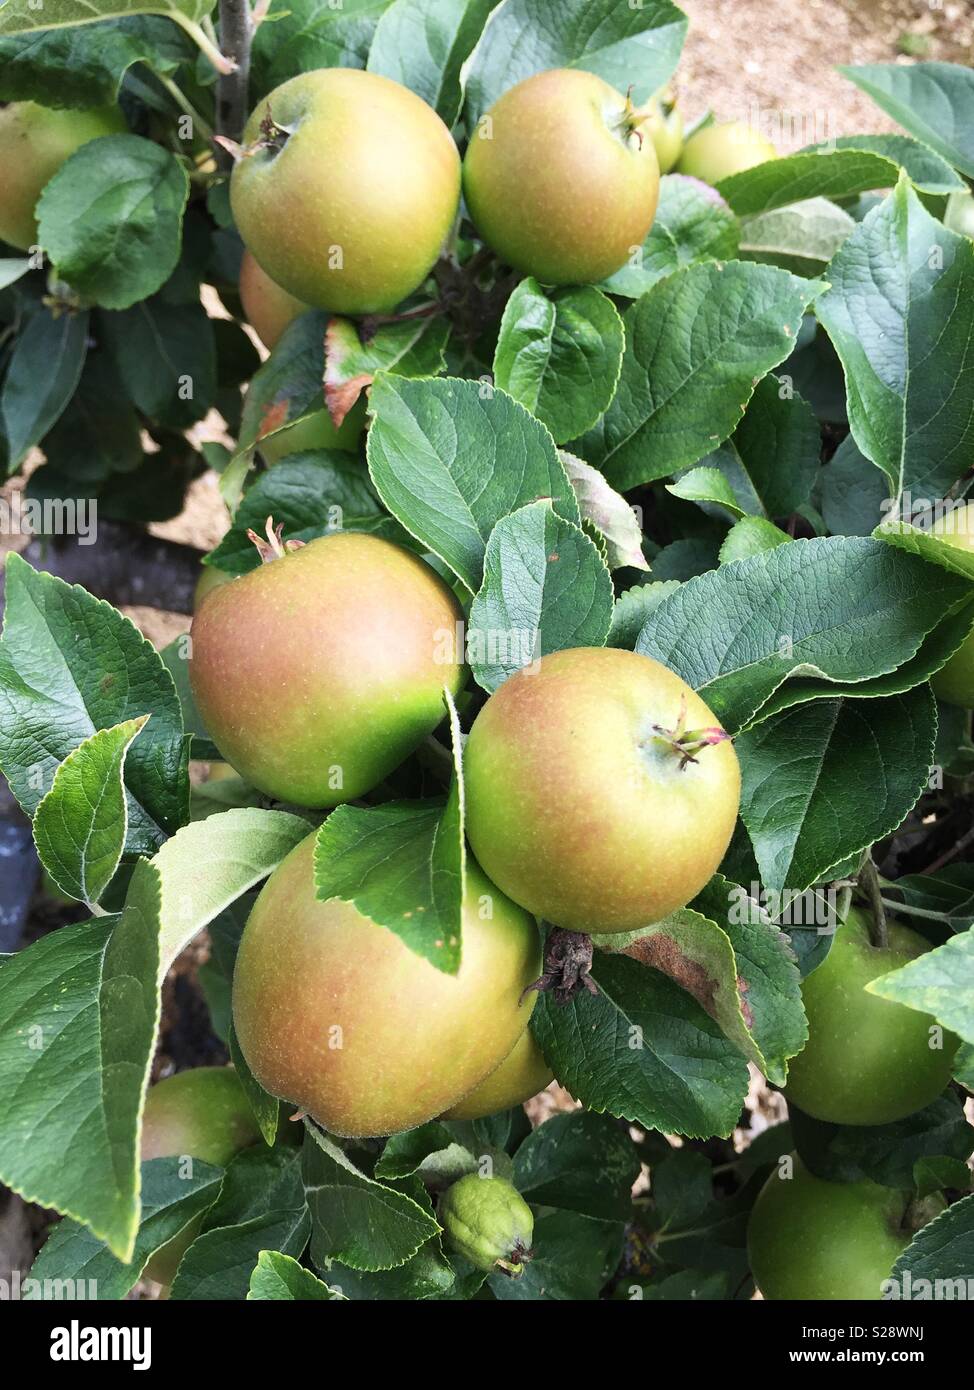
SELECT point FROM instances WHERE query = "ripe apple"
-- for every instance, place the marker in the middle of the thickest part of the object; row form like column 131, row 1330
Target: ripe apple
column 559, row 179
column 337, row 1015
column 268, row 308
column 348, row 191
column 664, row 126
column 868, row 1061
column 522, row 1074
column 34, row 143
column 717, row 151
column 955, row 681
column 319, row 672
column 202, row 1114
column 487, row 1222
column 316, row 431
column 816, row 1240
column 588, row 801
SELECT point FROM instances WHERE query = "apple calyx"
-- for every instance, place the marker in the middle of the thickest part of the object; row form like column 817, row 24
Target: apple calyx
column 272, row 136
column 687, row 743
column 275, row 547
column 567, row 966
column 513, row 1266
column 631, row 120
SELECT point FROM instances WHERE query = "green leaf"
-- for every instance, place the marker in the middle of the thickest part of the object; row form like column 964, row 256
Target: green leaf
column 853, row 492
column 750, row 536
column 801, row 238
column 578, row 1162
column 78, row 1015
column 608, row 512
column 546, row 587
column 12, row 268
column 311, row 494
column 818, row 784
column 643, row 1050
column 933, row 101
column 423, row 44
column 632, row 610
column 850, row 619
column 941, row 1254
column 940, row 982
column 173, row 1193
column 80, row 826
column 110, row 219
column 897, row 318
column 692, row 224
column 559, row 353
column 99, row 433
column 307, row 34
column 925, row 169
column 574, row 1259
column 355, row 1220
column 279, row 1278
column 450, row 458
column 42, row 376
column 428, row 1149
column 779, row 443
column 22, row 17
column 416, row 347
column 636, row 45
column 705, row 485
column 69, row 666
column 165, row 355
column 826, row 173
column 937, row 549
column 695, row 346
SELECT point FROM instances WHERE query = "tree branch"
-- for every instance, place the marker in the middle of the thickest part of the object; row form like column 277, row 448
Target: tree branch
column 236, row 31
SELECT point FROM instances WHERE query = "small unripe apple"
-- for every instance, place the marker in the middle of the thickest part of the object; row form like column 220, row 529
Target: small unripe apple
column 34, row 143
column 601, row 795
column 959, row 216
column 717, row 151
column 317, row 431
column 488, row 1223
column 955, row 681
column 664, row 126
column 348, row 189
column 868, row 1060
column 522, row 1074
column 202, row 1114
column 335, row 1014
column 318, row 673
column 268, row 308
column 559, row 178
column 816, row 1240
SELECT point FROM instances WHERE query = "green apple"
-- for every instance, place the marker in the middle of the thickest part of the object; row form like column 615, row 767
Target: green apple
column 959, row 216
column 954, row 683
column 338, row 1016
column 664, row 126
column 600, row 793
column 522, row 1074
column 34, row 143
column 268, row 308
column 868, row 1061
column 348, row 191
column 210, row 578
column 814, row 1240
column 559, row 179
column 487, row 1222
column 717, row 151
column 316, row 431
column 204, row 1114
column 318, row 673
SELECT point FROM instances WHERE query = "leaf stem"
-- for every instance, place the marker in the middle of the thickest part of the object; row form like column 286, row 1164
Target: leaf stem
column 206, row 45
column 869, row 882
column 187, row 107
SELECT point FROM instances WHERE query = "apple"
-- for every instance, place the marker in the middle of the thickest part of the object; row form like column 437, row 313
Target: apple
column 959, row 216
column 664, row 126
column 816, row 1240
column 348, row 190
column 210, row 578
column 318, row 673
column 315, row 431
column 717, row 151
column 335, row 1014
column 268, row 308
column 600, row 793
column 868, row 1061
column 34, row 143
column 488, row 1223
column 559, row 178
column 522, row 1074
column 204, row 1114
column 954, row 682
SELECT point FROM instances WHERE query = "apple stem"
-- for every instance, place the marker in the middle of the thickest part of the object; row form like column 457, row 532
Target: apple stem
column 869, row 882
column 275, row 547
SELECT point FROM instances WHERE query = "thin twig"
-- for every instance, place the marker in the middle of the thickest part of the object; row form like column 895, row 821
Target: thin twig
column 869, row 881
column 951, row 853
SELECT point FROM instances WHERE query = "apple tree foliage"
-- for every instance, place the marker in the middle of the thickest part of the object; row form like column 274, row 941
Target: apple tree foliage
column 697, row 460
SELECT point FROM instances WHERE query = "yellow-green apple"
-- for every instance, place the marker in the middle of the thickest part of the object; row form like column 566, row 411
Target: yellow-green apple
column 601, row 794
column 267, row 307
column 955, row 681
column 335, row 1014
column 522, row 1074
column 315, row 431
column 717, row 151
column 560, row 179
column 319, row 672
column 347, row 190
